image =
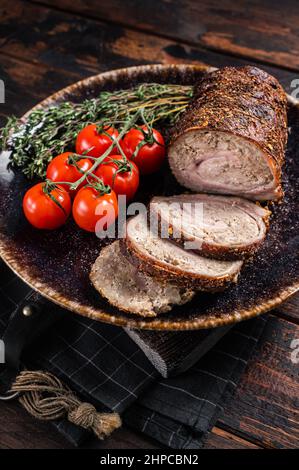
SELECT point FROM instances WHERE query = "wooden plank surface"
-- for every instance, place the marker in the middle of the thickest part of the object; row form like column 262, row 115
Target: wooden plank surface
column 265, row 407
column 264, row 30
column 26, row 84
column 290, row 309
column 40, row 53
column 18, row 430
column 220, row 439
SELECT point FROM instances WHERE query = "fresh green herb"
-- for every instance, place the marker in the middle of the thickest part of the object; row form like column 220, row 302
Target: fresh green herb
column 47, row 133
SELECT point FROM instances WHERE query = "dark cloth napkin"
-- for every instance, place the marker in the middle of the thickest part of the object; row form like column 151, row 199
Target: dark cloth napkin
column 105, row 367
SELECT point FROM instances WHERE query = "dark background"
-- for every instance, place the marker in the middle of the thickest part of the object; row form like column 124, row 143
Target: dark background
column 46, row 45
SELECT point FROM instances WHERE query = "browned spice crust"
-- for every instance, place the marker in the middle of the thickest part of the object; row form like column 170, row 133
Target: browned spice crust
column 243, row 101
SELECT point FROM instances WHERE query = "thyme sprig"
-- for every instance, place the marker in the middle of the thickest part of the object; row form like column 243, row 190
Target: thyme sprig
column 47, row 133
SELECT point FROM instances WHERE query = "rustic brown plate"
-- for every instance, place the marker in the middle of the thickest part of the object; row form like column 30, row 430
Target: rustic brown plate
column 57, row 263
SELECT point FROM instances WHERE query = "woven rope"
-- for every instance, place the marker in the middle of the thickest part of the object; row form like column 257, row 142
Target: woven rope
column 46, row 398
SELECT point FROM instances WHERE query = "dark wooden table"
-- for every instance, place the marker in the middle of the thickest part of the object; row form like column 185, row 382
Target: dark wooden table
column 48, row 44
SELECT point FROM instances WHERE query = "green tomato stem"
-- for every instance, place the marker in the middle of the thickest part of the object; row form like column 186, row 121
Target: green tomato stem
column 99, row 160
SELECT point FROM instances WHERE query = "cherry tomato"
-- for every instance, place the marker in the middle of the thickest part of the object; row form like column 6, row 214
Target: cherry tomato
column 122, row 176
column 151, row 155
column 90, row 142
column 91, row 205
column 41, row 211
column 60, row 170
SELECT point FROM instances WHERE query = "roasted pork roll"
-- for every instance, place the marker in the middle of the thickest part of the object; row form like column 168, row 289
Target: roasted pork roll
column 232, row 137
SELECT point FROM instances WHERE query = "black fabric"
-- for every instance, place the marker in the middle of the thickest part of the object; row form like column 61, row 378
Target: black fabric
column 105, row 367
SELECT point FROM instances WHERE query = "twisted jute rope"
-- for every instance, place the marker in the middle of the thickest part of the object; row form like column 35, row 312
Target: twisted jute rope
column 45, row 397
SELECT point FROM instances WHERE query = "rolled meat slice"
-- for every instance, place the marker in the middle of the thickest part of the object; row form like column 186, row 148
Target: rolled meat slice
column 222, row 227
column 131, row 291
column 232, row 137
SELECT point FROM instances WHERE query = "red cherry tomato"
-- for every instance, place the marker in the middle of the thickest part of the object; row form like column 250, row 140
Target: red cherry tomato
column 60, row 170
column 151, row 155
column 122, row 176
column 90, row 206
column 44, row 213
column 90, row 142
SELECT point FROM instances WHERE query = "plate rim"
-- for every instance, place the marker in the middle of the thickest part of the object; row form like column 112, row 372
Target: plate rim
column 136, row 322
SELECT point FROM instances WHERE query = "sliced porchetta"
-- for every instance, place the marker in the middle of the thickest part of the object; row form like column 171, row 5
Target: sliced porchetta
column 223, row 227
column 231, row 139
column 167, row 261
column 131, row 291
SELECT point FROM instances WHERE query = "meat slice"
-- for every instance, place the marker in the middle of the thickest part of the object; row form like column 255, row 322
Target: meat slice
column 124, row 287
column 232, row 137
column 168, row 261
column 224, row 227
